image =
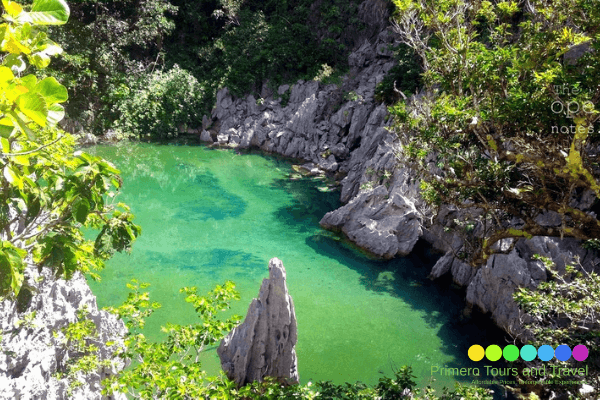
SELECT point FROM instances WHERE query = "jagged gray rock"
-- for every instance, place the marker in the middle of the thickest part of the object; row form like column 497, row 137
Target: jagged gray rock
column 87, row 139
column 32, row 355
column 461, row 271
column 348, row 137
column 388, row 224
column 383, row 211
column 264, row 344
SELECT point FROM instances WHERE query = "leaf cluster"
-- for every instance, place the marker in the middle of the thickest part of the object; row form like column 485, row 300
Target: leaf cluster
column 508, row 116
column 160, row 104
column 172, row 368
column 49, row 193
column 565, row 310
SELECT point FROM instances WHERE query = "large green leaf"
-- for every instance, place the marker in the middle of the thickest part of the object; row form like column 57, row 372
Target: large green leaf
column 46, row 12
column 13, row 9
column 56, row 113
column 6, row 127
column 39, row 60
column 6, row 131
column 5, row 145
column 29, row 81
column 82, row 209
column 6, row 75
column 11, row 269
column 52, row 91
column 18, row 121
column 33, row 105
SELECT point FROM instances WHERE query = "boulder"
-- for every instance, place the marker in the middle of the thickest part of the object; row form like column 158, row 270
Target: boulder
column 264, row 344
column 384, row 223
column 87, row 139
column 205, row 136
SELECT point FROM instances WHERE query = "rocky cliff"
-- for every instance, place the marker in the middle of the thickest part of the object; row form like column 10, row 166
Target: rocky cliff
column 340, row 129
column 34, row 353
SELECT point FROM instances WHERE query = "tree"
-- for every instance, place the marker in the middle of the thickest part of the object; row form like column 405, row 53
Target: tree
column 108, row 44
column 508, row 126
column 172, row 368
column 49, row 192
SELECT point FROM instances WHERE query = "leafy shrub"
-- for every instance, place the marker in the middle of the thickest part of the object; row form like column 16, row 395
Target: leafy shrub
column 565, row 310
column 160, row 104
column 404, row 76
column 495, row 131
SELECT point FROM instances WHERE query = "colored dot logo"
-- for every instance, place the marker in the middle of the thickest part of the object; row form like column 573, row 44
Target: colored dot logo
column 510, row 352
column 493, row 352
column 476, row 352
column 580, row 352
column 562, row 352
column 545, row 353
column 528, row 352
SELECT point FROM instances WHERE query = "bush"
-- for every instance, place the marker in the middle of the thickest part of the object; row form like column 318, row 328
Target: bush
column 564, row 311
column 161, row 104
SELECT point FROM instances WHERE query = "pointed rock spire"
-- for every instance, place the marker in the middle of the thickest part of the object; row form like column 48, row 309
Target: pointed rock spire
column 264, row 344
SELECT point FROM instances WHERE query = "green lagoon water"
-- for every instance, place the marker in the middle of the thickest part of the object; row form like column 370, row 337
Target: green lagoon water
column 208, row 216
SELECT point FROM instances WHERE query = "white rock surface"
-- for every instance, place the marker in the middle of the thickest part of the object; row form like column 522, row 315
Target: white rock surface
column 31, row 356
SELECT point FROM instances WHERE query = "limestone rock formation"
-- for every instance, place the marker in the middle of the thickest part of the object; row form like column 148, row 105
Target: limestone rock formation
column 337, row 135
column 32, row 354
column 341, row 129
column 264, row 344
column 388, row 224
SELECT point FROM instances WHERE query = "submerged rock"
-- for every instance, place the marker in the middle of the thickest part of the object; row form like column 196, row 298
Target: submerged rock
column 264, row 344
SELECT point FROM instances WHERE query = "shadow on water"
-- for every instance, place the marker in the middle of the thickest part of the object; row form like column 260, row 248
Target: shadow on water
column 211, row 262
column 216, row 202
column 441, row 302
column 308, row 205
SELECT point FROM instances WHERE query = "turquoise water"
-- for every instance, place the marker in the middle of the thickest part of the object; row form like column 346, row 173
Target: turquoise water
column 213, row 215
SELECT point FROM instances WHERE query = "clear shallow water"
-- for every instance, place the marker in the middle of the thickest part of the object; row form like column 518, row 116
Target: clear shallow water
column 213, row 215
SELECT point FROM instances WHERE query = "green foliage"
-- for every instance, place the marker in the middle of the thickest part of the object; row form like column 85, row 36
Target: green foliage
column 328, row 75
column 591, row 244
column 565, row 310
column 82, row 357
column 109, row 44
column 509, row 113
column 405, row 76
column 280, row 50
column 161, row 104
column 171, row 369
column 49, row 193
column 115, row 48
